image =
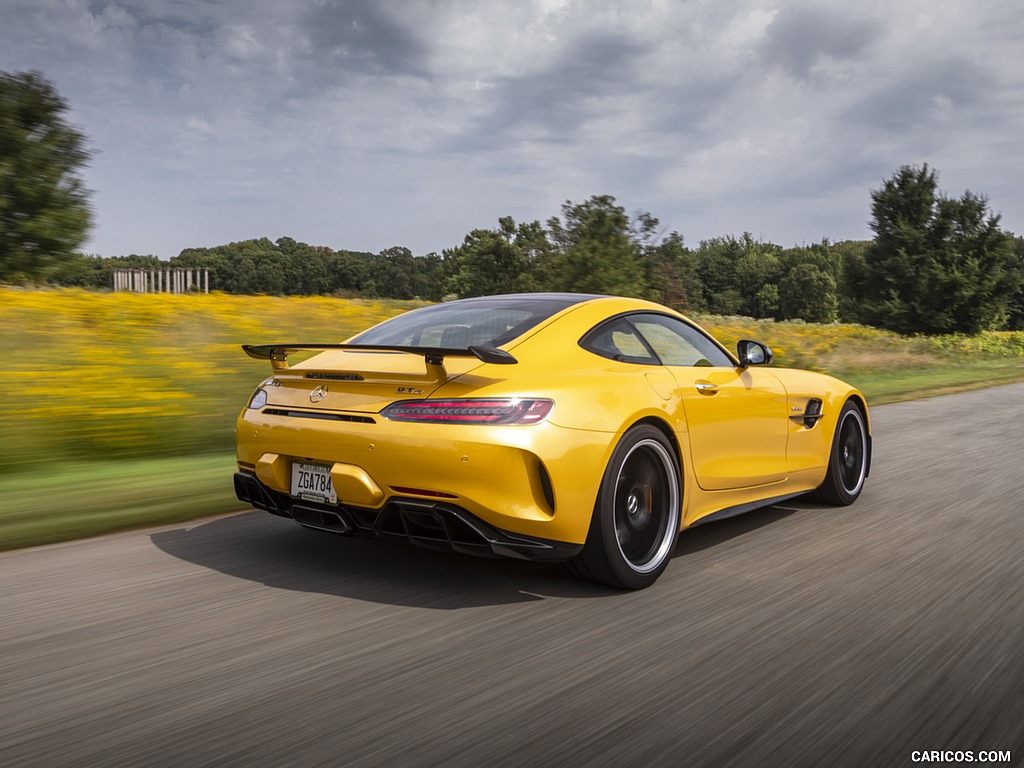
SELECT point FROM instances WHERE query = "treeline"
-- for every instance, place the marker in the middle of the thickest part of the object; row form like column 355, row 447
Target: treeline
column 954, row 270
column 285, row 267
column 596, row 248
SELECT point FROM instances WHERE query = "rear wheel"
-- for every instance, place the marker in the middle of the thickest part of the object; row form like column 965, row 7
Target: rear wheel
column 636, row 519
column 848, row 459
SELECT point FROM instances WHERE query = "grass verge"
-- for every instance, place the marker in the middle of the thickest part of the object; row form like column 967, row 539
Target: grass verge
column 91, row 498
column 893, row 386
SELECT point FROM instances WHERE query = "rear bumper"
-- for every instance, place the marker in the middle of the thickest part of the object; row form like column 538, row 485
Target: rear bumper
column 429, row 524
column 538, row 481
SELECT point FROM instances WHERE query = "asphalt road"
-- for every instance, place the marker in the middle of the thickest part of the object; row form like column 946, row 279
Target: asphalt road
column 797, row 635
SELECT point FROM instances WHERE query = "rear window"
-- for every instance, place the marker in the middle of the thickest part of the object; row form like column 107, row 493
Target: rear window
column 490, row 321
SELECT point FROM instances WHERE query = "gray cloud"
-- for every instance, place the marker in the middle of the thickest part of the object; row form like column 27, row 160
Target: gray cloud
column 364, row 124
column 362, row 35
column 928, row 98
column 551, row 103
column 802, row 37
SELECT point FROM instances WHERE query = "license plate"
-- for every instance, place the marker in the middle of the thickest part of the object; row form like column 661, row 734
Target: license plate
column 312, row 482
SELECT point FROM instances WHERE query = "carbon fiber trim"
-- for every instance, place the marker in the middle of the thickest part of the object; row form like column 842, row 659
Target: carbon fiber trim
column 431, row 525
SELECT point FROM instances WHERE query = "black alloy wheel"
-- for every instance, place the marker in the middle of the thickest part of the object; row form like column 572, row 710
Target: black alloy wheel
column 848, row 460
column 636, row 519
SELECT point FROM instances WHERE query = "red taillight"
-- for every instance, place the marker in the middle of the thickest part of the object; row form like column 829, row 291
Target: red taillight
column 470, row 411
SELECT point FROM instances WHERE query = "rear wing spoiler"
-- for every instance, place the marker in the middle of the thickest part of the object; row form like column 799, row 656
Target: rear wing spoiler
column 434, row 357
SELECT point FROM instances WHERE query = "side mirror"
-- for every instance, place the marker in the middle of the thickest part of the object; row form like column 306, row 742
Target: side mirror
column 752, row 353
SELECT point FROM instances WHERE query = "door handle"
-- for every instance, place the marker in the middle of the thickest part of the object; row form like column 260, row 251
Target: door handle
column 706, row 388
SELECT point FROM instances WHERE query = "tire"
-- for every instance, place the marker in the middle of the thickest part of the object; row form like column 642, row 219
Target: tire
column 636, row 518
column 848, row 459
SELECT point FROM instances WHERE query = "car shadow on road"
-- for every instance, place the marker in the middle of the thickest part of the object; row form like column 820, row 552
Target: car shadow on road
column 275, row 552
column 707, row 535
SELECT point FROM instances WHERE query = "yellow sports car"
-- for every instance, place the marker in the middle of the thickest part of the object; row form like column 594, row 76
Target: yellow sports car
column 586, row 429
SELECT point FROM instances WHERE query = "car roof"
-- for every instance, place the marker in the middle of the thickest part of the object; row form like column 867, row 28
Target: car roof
column 567, row 298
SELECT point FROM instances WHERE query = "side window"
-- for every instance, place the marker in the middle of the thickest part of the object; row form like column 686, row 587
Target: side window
column 678, row 343
column 618, row 340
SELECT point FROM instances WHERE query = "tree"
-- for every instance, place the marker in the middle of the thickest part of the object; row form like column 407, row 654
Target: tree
column 937, row 264
column 396, row 274
column 808, row 293
column 492, row 261
column 597, row 252
column 671, row 274
column 739, row 275
column 221, row 269
column 305, row 267
column 44, row 208
column 849, row 270
column 757, row 275
column 82, row 271
column 350, row 271
column 1015, row 306
column 248, row 266
column 808, row 288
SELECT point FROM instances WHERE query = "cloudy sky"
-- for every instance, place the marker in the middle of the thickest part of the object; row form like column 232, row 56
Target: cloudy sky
column 364, row 124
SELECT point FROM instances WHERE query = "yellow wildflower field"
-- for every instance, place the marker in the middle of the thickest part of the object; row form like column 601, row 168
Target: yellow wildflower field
column 92, row 375
column 111, row 375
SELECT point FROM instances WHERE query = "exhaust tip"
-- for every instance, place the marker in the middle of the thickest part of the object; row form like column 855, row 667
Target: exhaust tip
column 323, row 520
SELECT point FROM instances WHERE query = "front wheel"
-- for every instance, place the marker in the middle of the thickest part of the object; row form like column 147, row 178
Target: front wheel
column 848, row 459
column 636, row 518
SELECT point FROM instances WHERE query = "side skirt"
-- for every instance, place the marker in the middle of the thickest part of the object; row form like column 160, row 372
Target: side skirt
column 750, row 506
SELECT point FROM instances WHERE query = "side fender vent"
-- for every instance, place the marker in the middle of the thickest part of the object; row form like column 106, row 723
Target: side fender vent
column 811, row 413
